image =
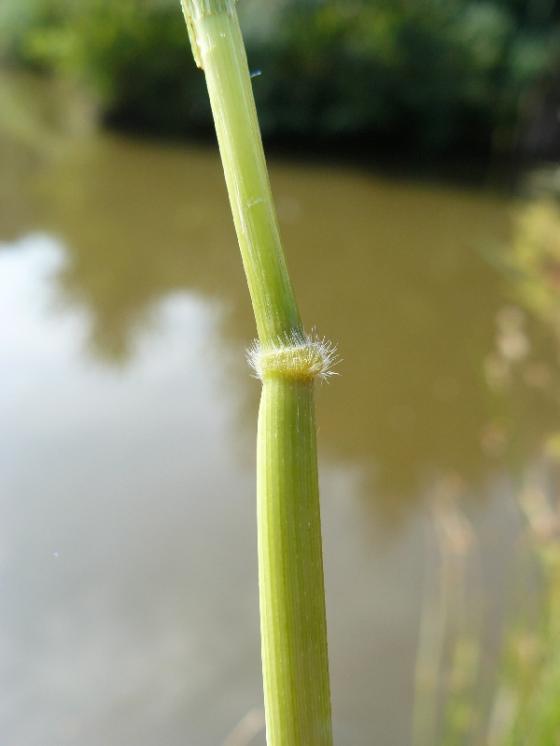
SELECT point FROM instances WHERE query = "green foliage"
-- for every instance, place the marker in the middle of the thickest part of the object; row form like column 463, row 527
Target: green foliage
column 426, row 74
column 133, row 55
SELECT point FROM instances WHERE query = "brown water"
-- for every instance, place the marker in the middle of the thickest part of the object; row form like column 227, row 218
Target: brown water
column 127, row 551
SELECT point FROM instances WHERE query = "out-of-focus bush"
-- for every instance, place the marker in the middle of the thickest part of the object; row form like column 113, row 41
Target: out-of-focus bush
column 431, row 75
column 133, row 55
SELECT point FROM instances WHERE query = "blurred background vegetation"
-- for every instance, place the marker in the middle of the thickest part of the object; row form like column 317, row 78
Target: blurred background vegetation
column 423, row 76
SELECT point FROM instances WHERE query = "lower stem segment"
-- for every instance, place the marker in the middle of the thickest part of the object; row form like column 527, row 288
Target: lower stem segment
column 293, row 626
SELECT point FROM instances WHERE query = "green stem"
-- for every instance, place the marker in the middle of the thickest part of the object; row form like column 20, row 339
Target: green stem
column 292, row 600
column 219, row 49
column 293, row 627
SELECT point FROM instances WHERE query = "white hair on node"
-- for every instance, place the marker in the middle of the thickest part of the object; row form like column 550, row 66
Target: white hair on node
column 295, row 356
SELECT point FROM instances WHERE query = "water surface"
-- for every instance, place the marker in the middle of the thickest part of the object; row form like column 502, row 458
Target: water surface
column 128, row 558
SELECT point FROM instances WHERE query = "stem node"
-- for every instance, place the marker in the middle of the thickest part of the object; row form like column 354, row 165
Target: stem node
column 294, row 356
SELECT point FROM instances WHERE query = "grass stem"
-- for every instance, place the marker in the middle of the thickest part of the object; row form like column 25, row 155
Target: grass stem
column 291, row 588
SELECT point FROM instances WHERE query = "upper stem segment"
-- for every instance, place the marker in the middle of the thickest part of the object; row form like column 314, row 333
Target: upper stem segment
column 218, row 48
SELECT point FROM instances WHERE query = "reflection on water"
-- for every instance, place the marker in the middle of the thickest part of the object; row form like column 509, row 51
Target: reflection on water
column 129, row 611
column 400, row 275
column 106, row 520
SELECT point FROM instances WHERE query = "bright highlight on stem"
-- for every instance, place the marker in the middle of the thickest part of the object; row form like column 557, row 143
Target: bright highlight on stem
column 291, row 589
